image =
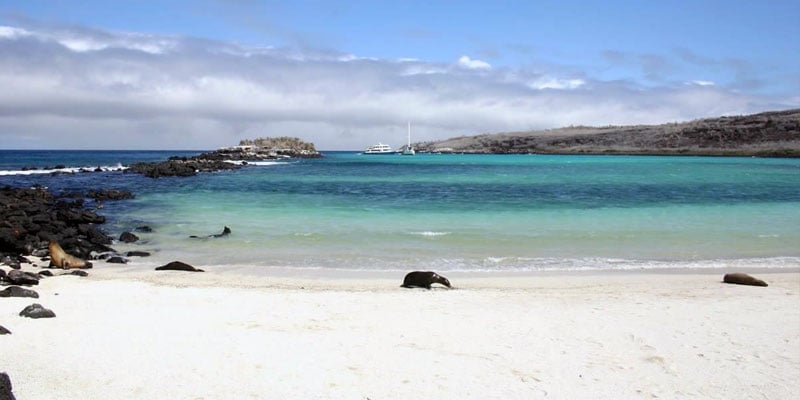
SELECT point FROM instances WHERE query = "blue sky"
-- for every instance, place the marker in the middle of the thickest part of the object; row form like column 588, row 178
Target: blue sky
column 345, row 74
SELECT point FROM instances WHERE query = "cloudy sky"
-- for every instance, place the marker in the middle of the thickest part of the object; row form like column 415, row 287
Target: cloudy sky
column 202, row 74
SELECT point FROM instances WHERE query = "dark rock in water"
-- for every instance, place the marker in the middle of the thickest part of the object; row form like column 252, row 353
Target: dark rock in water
column 45, row 273
column 16, row 291
column 137, row 254
column 743, row 279
column 36, row 311
column 2, row 275
column 179, row 167
column 117, row 260
column 78, row 272
column 178, row 266
column 109, row 194
column 144, row 229
column 5, row 385
column 17, row 277
column 423, row 279
column 127, row 237
column 3, row 331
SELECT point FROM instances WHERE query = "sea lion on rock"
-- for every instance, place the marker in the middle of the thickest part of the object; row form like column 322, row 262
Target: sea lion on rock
column 424, row 279
column 59, row 258
column 743, row 279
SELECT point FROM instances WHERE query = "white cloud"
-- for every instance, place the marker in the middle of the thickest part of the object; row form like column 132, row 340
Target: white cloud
column 555, row 83
column 126, row 90
column 466, row 62
column 701, row 83
column 9, row 32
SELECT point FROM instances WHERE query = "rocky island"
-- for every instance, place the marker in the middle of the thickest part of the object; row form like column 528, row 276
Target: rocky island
column 769, row 134
column 228, row 158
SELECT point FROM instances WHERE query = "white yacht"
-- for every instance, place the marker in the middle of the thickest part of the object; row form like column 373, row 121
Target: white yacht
column 408, row 151
column 379, row 148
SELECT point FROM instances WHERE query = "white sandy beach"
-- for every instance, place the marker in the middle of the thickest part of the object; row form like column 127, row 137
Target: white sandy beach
column 173, row 335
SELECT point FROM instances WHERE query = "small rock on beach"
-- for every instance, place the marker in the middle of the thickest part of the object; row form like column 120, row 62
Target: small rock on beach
column 36, row 311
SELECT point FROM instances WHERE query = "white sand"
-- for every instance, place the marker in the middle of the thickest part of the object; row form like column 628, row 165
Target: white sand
column 174, row 335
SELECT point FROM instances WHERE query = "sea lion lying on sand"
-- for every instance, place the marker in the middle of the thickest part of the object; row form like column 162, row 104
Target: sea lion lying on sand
column 225, row 232
column 743, row 279
column 59, row 258
column 424, row 279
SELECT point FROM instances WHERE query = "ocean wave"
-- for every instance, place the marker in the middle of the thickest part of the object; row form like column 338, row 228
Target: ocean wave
column 430, row 233
column 65, row 170
column 480, row 265
column 257, row 163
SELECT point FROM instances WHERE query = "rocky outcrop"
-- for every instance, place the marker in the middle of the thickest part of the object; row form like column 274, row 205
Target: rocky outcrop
column 36, row 311
column 248, row 150
column 266, row 149
column 178, row 266
column 32, row 217
column 180, row 166
column 3, row 331
column 775, row 134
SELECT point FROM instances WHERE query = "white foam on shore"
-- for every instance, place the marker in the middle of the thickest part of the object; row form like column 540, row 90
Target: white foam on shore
column 430, row 233
column 67, row 170
column 256, row 163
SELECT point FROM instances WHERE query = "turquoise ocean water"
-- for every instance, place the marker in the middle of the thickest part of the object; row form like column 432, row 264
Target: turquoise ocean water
column 453, row 212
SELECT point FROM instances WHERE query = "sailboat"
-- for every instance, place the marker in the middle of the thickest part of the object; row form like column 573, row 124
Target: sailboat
column 409, row 151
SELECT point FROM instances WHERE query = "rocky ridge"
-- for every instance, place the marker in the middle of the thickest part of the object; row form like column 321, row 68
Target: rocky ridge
column 769, row 134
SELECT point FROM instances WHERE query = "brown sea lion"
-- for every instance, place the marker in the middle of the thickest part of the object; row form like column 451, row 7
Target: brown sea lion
column 743, row 279
column 59, row 258
column 424, row 279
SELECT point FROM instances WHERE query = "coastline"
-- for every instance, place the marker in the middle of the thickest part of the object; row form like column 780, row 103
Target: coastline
column 627, row 334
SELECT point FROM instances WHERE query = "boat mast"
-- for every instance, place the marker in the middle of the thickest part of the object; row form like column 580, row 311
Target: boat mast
column 409, row 134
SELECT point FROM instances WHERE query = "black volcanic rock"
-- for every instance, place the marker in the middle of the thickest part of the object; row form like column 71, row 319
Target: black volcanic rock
column 31, row 217
column 179, row 167
column 16, row 277
column 16, row 291
column 36, row 311
column 3, row 331
column 109, row 194
column 137, row 253
column 117, row 260
column 127, row 237
column 5, row 384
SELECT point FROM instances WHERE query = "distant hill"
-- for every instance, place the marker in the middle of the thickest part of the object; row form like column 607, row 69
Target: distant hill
column 769, row 134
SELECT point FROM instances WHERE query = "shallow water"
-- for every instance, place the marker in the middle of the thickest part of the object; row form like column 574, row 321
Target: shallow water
column 459, row 212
